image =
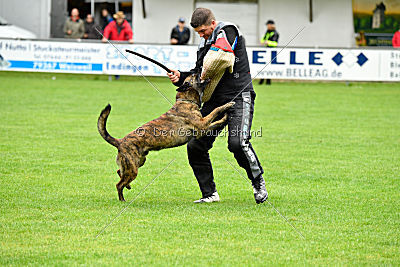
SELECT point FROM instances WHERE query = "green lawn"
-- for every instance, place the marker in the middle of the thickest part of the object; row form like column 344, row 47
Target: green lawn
column 330, row 151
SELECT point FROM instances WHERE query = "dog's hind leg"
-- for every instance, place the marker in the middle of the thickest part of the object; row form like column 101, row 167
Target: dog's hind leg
column 119, row 174
column 120, row 189
column 129, row 170
column 124, row 182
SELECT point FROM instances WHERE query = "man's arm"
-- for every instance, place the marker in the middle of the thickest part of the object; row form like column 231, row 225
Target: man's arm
column 106, row 34
column 129, row 32
column 218, row 59
column 174, row 36
column 263, row 39
column 82, row 29
column 65, row 29
column 273, row 41
column 178, row 77
column 231, row 34
column 186, row 35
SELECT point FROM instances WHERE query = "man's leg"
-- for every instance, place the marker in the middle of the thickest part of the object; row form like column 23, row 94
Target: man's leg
column 199, row 158
column 239, row 125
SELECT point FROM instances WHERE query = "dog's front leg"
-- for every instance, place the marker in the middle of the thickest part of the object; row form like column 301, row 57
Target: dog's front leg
column 210, row 117
column 217, row 124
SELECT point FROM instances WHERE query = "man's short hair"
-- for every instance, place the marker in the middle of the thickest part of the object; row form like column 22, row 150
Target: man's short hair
column 201, row 16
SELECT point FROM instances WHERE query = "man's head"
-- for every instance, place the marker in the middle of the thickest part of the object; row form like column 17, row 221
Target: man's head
column 104, row 12
column 89, row 18
column 203, row 21
column 119, row 17
column 270, row 25
column 75, row 13
column 181, row 22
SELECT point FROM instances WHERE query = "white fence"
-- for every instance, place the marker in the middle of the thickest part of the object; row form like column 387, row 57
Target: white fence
column 289, row 63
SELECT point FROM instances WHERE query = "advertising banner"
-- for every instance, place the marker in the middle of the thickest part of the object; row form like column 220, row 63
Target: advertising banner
column 333, row 64
column 72, row 57
column 325, row 64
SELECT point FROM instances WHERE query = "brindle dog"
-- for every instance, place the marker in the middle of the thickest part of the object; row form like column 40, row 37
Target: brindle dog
column 174, row 128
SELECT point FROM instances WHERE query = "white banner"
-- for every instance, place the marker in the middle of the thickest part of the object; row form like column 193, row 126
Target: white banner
column 69, row 57
column 289, row 63
column 325, row 64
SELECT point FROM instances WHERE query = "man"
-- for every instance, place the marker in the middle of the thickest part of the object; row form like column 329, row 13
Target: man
column 105, row 18
column 270, row 39
column 118, row 30
column 74, row 27
column 180, row 34
column 235, row 84
column 90, row 28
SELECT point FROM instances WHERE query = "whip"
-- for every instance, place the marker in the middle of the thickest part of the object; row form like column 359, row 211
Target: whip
column 149, row 59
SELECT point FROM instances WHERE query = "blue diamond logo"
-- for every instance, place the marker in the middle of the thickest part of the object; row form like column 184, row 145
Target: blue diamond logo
column 361, row 59
column 338, row 59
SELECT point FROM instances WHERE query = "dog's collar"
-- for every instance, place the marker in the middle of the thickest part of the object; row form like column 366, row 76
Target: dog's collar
column 190, row 101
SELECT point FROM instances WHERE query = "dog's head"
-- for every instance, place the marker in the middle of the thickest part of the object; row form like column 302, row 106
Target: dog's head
column 192, row 88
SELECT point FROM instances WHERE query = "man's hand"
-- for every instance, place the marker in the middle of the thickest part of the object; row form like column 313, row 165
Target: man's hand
column 174, row 76
column 104, row 40
column 69, row 32
column 130, row 41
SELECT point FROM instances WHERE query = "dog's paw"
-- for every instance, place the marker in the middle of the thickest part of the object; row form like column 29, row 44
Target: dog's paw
column 231, row 104
column 224, row 118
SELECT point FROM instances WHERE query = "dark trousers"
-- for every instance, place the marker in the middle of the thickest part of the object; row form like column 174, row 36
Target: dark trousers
column 239, row 125
column 268, row 82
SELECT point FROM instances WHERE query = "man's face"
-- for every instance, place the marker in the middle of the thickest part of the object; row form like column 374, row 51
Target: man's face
column 74, row 13
column 205, row 31
column 120, row 20
column 89, row 18
column 270, row 27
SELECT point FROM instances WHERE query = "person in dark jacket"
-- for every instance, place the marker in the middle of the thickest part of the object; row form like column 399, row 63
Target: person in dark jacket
column 180, row 34
column 90, row 28
column 105, row 18
column 220, row 38
column 270, row 39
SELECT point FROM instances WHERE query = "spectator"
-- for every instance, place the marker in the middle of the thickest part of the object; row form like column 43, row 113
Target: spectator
column 270, row 39
column 180, row 34
column 74, row 27
column 105, row 18
column 396, row 39
column 90, row 28
column 119, row 29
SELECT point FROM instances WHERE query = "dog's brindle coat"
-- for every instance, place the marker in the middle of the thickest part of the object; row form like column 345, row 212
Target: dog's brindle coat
column 174, row 128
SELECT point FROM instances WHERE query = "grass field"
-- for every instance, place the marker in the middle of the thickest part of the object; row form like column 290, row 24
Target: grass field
column 331, row 154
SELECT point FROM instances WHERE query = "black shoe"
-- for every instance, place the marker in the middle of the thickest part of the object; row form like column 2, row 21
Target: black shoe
column 260, row 192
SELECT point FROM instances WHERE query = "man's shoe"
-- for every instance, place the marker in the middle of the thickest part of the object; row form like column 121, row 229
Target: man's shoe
column 260, row 192
column 213, row 198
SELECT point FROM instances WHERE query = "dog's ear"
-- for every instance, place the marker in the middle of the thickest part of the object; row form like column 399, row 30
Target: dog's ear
column 184, row 87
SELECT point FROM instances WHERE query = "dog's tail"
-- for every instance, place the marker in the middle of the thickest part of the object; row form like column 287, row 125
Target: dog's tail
column 101, row 126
